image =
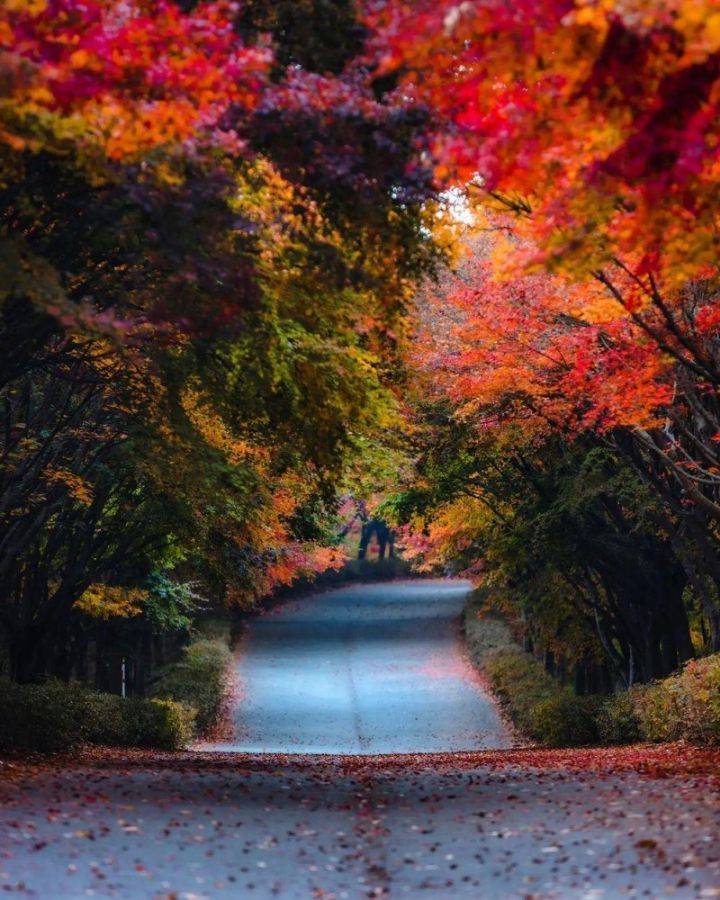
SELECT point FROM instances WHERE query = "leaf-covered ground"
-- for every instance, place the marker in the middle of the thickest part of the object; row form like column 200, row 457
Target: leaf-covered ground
column 584, row 823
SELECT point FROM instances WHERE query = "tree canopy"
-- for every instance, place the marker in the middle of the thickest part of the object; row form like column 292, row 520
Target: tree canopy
column 569, row 450
column 219, row 234
column 207, row 253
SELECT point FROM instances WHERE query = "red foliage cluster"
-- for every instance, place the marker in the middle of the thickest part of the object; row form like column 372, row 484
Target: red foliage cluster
column 605, row 116
column 134, row 75
column 593, row 130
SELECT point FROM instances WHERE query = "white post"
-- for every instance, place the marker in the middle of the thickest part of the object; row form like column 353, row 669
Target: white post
column 122, row 686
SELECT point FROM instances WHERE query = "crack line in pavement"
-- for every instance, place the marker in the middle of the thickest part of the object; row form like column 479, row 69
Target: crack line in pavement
column 362, row 742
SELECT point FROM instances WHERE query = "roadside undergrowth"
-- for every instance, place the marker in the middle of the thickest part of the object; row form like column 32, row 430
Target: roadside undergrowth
column 682, row 707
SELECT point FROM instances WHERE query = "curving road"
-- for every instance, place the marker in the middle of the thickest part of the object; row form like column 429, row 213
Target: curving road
column 366, row 669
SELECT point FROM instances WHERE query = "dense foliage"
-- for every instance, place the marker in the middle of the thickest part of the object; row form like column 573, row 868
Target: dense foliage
column 207, row 244
column 198, row 680
column 55, row 717
column 682, row 707
column 213, row 220
column 567, row 419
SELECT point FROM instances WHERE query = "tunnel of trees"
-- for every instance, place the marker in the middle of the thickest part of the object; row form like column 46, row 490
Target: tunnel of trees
column 460, row 256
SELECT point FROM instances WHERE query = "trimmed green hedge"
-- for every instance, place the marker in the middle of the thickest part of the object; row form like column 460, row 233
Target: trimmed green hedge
column 521, row 683
column 54, row 716
column 160, row 724
column 198, row 679
column 685, row 706
column 566, row 720
column 485, row 631
column 617, row 721
column 41, row 717
column 538, row 705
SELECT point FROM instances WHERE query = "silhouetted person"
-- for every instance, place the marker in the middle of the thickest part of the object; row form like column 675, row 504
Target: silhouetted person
column 385, row 538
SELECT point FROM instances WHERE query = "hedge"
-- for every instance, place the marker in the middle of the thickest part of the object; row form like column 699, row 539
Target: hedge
column 485, row 631
column 43, row 717
column 617, row 721
column 685, row 706
column 538, row 705
column 565, row 720
column 55, row 716
column 198, row 679
column 521, row 683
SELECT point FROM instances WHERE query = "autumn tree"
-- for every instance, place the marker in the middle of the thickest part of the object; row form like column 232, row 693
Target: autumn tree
column 587, row 320
column 196, row 319
column 595, row 127
column 529, row 477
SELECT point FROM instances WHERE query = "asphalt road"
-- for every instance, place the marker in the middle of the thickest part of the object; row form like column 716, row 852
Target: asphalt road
column 362, row 670
column 318, row 830
column 365, row 669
